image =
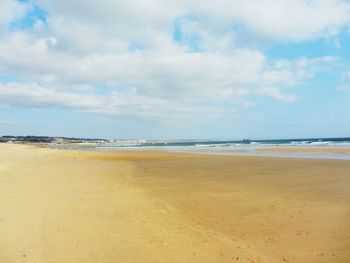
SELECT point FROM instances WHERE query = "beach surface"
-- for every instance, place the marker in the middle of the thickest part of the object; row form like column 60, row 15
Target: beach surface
column 152, row 206
column 337, row 150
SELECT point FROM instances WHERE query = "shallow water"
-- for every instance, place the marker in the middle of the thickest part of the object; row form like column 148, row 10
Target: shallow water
column 321, row 150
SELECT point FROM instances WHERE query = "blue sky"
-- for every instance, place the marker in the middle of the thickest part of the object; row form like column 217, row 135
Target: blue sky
column 175, row 69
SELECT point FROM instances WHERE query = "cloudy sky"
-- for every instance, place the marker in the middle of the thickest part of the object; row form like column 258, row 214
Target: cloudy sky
column 224, row 69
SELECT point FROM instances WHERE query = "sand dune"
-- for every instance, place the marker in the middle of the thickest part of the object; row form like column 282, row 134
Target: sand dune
column 69, row 206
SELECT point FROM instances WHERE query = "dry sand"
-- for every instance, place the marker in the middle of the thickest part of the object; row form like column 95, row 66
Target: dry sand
column 69, row 206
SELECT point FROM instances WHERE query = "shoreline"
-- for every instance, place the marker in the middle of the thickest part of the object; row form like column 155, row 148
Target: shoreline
column 337, row 152
column 295, row 152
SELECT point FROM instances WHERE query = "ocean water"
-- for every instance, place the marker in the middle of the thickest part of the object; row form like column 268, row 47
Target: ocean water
column 239, row 148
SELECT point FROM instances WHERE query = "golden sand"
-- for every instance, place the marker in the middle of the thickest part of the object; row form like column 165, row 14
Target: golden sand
column 69, row 206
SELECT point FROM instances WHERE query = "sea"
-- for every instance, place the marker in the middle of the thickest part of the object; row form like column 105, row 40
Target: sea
column 324, row 148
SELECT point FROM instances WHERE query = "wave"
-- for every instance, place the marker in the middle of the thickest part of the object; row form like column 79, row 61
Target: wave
column 320, row 143
column 300, row 142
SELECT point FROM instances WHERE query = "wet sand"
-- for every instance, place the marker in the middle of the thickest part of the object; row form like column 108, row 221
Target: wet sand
column 80, row 206
column 336, row 150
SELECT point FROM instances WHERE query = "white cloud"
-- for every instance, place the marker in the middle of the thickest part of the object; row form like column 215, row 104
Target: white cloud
column 128, row 47
column 129, row 104
column 135, row 20
column 154, row 73
column 284, row 20
column 277, row 94
column 33, row 95
column 182, row 86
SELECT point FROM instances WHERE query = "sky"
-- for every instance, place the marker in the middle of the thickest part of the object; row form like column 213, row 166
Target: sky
column 165, row 69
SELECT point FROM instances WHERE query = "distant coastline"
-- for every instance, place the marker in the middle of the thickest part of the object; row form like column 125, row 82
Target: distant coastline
column 320, row 148
column 30, row 139
column 48, row 139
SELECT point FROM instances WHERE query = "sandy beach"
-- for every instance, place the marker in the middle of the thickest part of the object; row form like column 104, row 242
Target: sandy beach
column 152, row 206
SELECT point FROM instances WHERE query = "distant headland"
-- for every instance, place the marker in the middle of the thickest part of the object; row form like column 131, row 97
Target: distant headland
column 48, row 139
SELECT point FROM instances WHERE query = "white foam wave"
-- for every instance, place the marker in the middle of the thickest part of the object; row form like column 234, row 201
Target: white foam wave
column 320, row 143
